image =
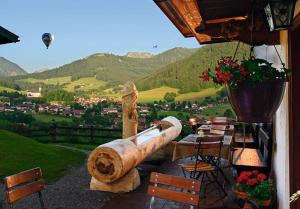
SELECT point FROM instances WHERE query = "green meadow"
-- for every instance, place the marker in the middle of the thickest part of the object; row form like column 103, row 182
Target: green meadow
column 18, row 153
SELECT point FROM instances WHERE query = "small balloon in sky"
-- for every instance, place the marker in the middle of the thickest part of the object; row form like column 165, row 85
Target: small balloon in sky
column 47, row 39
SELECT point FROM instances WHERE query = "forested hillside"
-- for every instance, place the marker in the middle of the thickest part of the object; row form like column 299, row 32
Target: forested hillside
column 184, row 74
column 8, row 68
column 111, row 68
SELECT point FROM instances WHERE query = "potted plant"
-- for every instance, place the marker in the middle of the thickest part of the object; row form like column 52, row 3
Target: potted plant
column 255, row 88
column 254, row 186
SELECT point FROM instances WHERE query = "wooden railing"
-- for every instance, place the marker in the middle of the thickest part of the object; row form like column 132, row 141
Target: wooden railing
column 82, row 135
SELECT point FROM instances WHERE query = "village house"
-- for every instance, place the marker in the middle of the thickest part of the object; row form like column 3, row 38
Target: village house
column 78, row 113
column 109, row 110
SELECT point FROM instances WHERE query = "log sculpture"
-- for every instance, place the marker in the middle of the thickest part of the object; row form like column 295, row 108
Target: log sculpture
column 111, row 161
column 130, row 115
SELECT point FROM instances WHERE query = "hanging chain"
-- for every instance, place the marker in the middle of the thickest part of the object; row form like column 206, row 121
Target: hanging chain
column 283, row 65
column 237, row 47
column 211, row 64
column 251, row 33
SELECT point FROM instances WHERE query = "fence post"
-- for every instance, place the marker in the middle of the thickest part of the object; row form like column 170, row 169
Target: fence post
column 92, row 141
column 74, row 135
column 53, row 130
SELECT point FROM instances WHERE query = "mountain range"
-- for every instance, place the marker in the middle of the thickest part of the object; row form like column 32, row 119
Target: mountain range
column 103, row 73
column 113, row 69
column 8, row 68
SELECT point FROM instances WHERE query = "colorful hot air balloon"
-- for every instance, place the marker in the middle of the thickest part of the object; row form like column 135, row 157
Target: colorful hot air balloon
column 47, row 39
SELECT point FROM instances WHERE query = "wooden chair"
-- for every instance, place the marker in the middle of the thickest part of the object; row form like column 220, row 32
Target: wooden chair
column 24, row 184
column 207, row 160
column 159, row 189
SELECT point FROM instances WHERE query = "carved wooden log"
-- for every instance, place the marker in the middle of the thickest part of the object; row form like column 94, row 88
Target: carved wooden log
column 129, row 112
column 110, row 161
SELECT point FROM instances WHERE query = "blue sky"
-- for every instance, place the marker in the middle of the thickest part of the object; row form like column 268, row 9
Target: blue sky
column 84, row 27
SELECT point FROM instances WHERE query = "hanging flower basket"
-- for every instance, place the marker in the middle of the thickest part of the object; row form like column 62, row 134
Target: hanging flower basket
column 255, row 88
column 259, row 103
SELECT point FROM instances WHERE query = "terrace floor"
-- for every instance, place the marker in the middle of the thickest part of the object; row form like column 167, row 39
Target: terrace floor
column 72, row 192
column 139, row 199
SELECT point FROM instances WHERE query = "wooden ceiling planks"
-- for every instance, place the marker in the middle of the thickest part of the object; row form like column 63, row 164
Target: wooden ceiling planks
column 174, row 17
column 188, row 10
column 218, row 9
column 220, row 20
column 185, row 16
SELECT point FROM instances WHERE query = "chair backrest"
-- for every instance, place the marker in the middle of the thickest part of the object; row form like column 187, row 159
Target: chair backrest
column 209, row 146
column 190, row 185
column 220, row 120
column 23, row 184
column 209, row 141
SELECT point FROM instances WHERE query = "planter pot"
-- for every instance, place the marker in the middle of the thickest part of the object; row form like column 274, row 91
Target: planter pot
column 257, row 104
column 241, row 195
column 244, row 196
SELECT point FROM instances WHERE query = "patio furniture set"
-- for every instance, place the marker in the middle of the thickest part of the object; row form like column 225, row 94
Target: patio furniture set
column 211, row 150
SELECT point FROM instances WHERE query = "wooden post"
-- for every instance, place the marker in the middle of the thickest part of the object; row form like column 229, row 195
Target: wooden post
column 129, row 112
column 53, row 131
column 92, row 141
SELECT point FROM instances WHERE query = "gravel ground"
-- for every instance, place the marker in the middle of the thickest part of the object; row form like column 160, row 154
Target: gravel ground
column 69, row 192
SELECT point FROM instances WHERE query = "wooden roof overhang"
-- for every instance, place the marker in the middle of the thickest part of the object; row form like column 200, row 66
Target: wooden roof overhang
column 212, row 21
column 7, row 36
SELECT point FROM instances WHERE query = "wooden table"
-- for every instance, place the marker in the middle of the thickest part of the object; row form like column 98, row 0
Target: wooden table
column 186, row 148
column 217, row 129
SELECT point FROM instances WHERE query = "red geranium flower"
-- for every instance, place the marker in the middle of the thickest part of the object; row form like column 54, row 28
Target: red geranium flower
column 205, row 76
column 261, row 177
column 252, row 182
column 244, row 176
column 243, row 71
column 234, row 65
column 227, row 76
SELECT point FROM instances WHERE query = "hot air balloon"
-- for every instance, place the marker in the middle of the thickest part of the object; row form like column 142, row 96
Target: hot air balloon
column 47, row 39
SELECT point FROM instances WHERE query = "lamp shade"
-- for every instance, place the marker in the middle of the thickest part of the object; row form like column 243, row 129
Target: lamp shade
column 280, row 13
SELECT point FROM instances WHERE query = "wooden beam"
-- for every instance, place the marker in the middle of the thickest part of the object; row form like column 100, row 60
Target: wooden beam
column 222, row 20
column 174, row 17
column 189, row 12
column 216, row 30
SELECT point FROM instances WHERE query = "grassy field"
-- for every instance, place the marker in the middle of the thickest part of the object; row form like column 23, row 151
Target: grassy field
column 216, row 110
column 159, row 93
column 155, row 94
column 173, row 113
column 87, row 147
column 46, row 118
column 82, row 84
column 18, row 153
column 85, row 84
column 2, row 88
column 194, row 96
column 50, row 81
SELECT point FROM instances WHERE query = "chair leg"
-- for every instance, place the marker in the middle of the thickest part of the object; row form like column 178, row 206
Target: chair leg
column 151, row 202
column 223, row 174
column 183, row 171
column 11, row 206
column 41, row 200
column 216, row 179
